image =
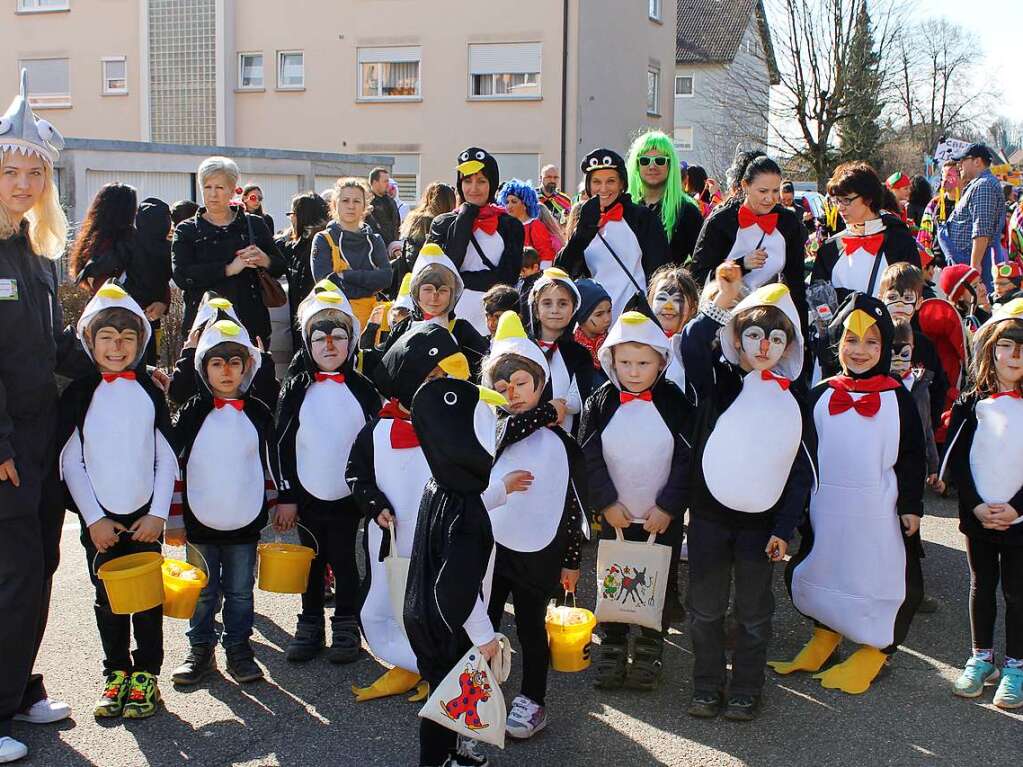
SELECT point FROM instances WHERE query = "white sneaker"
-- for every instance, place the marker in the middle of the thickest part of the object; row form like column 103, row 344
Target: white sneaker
column 12, row 750
column 44, row 711
column 525, row 719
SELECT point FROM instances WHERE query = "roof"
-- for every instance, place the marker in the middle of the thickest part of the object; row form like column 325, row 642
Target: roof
column 710, row 31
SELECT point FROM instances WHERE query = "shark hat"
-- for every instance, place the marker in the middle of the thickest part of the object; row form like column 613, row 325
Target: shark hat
column 21, row 131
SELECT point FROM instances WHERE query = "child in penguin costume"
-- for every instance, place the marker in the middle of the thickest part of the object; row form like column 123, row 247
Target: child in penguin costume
column 224, row 437
column 539, row 530
column 634, row 435
column 553, row 302
column 119, row 468
column 738, row 528
column 388, row 472
column 453, row 549
column 857, row 573
column 184, row 381
column 617, row 242
column 483, row 241
column 322, row 409
column 985, row 460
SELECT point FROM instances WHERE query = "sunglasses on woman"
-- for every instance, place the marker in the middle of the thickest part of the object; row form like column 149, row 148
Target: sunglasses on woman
column 659, row 161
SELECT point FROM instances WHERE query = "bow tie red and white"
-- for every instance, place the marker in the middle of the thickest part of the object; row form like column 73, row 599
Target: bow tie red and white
column 626, row 397
column 782, row 381
column 335, row 377
column 867, row 406
column 767, row 222
column 614, row 213
column 237, row 404
column 871, row 243
column 128, row 375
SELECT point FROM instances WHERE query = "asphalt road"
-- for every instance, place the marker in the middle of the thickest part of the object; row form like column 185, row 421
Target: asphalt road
column 303, row 716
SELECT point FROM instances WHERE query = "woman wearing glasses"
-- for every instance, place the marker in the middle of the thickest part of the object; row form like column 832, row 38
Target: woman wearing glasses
column 856, row 257
column 655, row 180
column 252, row 196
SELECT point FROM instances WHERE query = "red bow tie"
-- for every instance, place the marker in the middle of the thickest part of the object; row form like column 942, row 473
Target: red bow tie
column 237, row 404
column 487, row 218
column 782, row 381
column 614, row 213
column 547, row 347
column 871, row 243
column 626, row 397
column 335, row 377
column 867, row 405
column 767, row 222
column 127, row 374
column 402, row 434
column 1014, row 394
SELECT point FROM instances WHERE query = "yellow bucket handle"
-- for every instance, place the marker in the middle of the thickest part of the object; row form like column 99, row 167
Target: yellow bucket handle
column 197, row 551
column 96, row 556
column 277, row 536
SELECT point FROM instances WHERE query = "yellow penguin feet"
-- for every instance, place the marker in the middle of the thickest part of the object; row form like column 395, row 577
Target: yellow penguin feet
column 422, row 692
column 854, row 674
column 813, row 655
column 397, row 681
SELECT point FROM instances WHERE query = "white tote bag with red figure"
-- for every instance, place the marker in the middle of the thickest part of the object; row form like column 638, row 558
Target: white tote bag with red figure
column 632, row 581
column 469, row 700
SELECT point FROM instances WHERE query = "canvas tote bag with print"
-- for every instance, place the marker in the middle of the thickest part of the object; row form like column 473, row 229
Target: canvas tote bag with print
column 396, row 568
column 632, row 580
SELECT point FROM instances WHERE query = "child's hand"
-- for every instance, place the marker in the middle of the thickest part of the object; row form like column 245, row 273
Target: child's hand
column 517, row 481
column 657, row 520
column 377, row 315
column 193, row 339
column 175, row 536
column 8, row 473
column 104, row 532
column 385, row 519
column 776, row 549
column 490, row 649
column 1002, row 515
column 617, row 516
column 729, row 279
column 569, row 579
column 935, row 484
column 147, row 529
column 754, row 259
column 284, row 517
column 910, row 524
column 561, row 408
column 155, row 310
column 161, row 379
column 983, row 513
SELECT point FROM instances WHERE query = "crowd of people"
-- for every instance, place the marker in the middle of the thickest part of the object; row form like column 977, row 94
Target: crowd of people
column 482, row 384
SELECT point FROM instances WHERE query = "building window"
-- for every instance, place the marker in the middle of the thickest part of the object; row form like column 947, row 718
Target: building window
column 49, row 82
column 40, row 6
column 684, row 85
column 505, row 71
column 250, row 71
column 684, row 138
column 290, row 70
column 389, row 73
column 752, row 48
column 115, row 76
column 654, row 9
column 653, row 91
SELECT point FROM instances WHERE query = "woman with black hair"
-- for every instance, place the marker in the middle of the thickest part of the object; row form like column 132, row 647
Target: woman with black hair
column 252, row 196
column 920, row 194
column 309, row 215
column 101, row 250
column 766, row 240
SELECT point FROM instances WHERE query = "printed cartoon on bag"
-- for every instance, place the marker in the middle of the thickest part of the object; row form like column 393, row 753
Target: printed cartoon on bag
column 475, row 689
column 628, row 585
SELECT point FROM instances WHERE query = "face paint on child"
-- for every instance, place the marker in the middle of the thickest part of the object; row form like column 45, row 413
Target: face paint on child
column 435, row 294
column 328, row 344
column 637, row 366
column 760, row 349
column 115, row 350
column 901, row 306
column 902, row 360
column 670, row 308
column 599, row 320
column 520, row 390
column 225, row 374
column 858, row 354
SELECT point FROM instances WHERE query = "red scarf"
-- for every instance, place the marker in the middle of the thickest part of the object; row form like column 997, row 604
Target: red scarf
column 237, row 404
column 128, row 375
column 614, row 213
column 487, row 218
column 871, row 243
column 592, row 345
column 625, row 397
column 768, row 222
column 403, row 435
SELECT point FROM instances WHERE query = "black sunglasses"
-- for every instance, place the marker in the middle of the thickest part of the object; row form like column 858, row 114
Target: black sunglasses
column 646, row 160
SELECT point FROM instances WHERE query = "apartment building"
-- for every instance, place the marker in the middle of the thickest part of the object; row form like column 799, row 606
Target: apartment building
column 533, row 81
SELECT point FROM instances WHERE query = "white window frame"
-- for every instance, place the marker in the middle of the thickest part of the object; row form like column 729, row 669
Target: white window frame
column 692, row 85
column 50, row 100
column 493, row 96
column 655, row 9
column 280, row 70
column 33, row 6
column 656, row 111
column 360, row 63
column 262, row 69
column 692, row 138
column 107, row 90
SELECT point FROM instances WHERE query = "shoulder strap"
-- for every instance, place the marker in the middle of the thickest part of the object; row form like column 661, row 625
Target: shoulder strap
column 490, row 264
column 620, row 263
column 874, row 270
column 338, row 262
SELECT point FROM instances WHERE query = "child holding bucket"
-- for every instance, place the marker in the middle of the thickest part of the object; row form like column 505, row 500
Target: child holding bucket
column 538, row 531
column 324, row 405
column 224, row 437
column 119, row 468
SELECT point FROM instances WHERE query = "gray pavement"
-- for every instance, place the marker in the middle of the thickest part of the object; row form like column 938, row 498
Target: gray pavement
column 304, row 716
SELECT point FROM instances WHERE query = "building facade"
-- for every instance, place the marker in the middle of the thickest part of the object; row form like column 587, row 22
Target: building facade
column 536, row 81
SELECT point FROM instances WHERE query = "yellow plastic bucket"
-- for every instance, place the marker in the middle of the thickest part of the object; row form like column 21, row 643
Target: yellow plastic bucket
column 133, row 582
column 181, row 591
column 284, row 567
column 570, row 643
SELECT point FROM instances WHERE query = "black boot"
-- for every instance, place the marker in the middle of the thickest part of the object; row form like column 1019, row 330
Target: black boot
column 201, row 660
column 611, row 663
column 241, row 663
column 645, row 671
column 309, row 639
column 346, row 643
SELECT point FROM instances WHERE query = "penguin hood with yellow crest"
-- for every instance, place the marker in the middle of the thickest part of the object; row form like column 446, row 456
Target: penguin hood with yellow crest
column 212, row 307
column 1011, row 310
column 476, row 160
column 225, row 330
column 632, row 327
column 326, row 296
column 404, row 299
column 778, row 296
column 511, row 338
column 858, row 313
column 113, row 296
column 430, row 260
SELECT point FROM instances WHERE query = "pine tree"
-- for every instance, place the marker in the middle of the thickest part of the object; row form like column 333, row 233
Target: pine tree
column 859, row 132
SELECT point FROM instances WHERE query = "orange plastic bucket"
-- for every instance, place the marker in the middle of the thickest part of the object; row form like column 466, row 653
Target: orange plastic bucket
column 133, row 582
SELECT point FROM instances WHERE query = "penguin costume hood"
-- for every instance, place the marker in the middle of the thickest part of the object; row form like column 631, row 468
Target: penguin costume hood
column 511, row 338
column 633, row 327
column 404, row 299
column 604, row 159
column 113, row 296
column 213, row 307
column 552, row 276
column 21, row 131
column 225, row 330
column 431, row 259
column 404, row 366
column 858, row 313
column 778, row 296
column 473, row 160
column 326, row 296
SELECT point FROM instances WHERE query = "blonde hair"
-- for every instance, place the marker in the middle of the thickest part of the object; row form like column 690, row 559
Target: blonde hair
column 349, row 182
column 982, row 368
column 47, row 223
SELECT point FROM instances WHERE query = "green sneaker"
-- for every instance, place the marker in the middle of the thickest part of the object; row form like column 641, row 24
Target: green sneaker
column 144, row 697
column 111, row 701
column 978, row 672
column 1010, row 691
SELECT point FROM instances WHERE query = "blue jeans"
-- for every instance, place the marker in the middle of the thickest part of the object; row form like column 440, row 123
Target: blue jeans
column 231, row 571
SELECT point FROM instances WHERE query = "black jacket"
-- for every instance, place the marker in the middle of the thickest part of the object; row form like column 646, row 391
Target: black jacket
column 688, row 223
column 453, row 232
column 385, row 213
column 201, row 251
column 148, row 271
column 296, row 264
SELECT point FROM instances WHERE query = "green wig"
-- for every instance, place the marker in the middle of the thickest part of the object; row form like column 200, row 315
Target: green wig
column 674, row 195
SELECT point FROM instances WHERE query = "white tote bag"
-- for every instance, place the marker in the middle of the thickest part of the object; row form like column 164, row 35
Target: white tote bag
column 469, row 701
column 632, row 580
column 396, row 568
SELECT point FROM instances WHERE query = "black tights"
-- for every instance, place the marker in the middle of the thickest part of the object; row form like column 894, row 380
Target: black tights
column 335, row 537
column 530, row 616
column 989, row 563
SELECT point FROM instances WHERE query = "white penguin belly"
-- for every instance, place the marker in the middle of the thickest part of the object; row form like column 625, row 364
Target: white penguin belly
column 638, row 449
column 561, row 384
column 328, row 423
column 470, row 303
column 853, row 272
column 606, row 270
column 224, row 478
column 746, row 241
column 854, row 578
column 120, row 445
column 749, row 454
column 996, row 456
column 529, row 521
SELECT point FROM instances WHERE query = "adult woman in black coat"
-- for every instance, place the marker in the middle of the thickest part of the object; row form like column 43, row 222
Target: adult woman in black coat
column 102, row 247
column 309, row 215
column 222, row 249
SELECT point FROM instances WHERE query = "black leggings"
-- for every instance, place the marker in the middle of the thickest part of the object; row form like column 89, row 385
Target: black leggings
column 989, row 563
column 530, row 626
column 335, row 533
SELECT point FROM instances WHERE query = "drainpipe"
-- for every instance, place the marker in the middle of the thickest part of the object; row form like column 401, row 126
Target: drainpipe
column 564, row 82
